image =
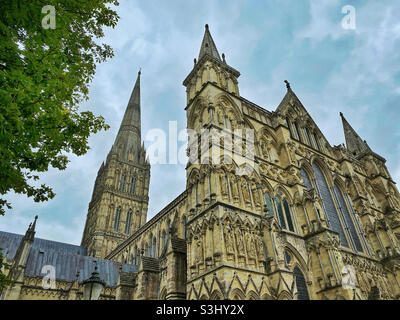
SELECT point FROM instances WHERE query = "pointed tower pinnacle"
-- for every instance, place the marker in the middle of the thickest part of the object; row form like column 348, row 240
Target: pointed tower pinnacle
column 287, row 85
column 132, row 113
column 208, row 46
column 354, row 143
column 129, row 134
column 30, row 232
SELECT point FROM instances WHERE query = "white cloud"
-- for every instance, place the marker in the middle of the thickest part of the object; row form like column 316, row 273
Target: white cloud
column 322, row 24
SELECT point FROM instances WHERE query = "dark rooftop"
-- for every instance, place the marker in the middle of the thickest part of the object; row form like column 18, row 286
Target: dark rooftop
column 67, row 259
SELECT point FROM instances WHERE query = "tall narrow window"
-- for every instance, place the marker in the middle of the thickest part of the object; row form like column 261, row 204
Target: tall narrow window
column 302, row 293
column 227, row 123
column 154, row 247
column 122, row 183
column 195, row 194
column 288, row 215
column 279, row 210
column 164, row 235
column 329, row 206
column 229, row 185
column 297, row 131
column 357, row 223
column 117, row 219
column 269, row 205
column 289, row 127
column 308, row 137
column 184, row 221
column 136, row 255
column 128, row 222
column 316, row 142
column 321, row 144
column 347, row 218
column 132, row 186
column 209, row 185
column 151, row 246
column 306, row 179
column 251, row 194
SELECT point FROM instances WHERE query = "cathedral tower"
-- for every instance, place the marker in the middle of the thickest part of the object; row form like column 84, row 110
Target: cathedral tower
column 120, row 196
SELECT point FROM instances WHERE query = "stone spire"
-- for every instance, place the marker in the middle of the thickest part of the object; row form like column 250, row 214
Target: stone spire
column 354, row 143
column 129, row 134
column 30, row 233
column 208, row 46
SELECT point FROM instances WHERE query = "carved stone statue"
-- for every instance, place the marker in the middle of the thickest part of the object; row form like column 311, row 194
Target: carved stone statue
column 260, row 248
column 256, row 196
column 228, row 240
column 240, row 244
column 250, row 247
column 223, row 183
column 199, row 251
column 245, row 191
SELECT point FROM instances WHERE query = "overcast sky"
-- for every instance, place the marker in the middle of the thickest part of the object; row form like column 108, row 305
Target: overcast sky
column 331, row 69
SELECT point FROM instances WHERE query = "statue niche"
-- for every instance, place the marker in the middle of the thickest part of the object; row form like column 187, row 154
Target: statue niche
column 269, row 149
column 245, row 192
column 229, row 242
column 240, row 244
column 199, row 251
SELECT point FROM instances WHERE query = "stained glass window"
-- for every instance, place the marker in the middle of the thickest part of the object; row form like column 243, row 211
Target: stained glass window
column 154, row 247
column 269, row 205
column 302, row 293
column 288, row 258
column 117, row 218
column 316, row 141
column 306, row 179
column 289, row 127
column 346, row 214
column 308, row 137
column 288, row 215
column 280, row 212
column 296, row 130
column 122, row 183
column 128, row 222
column 329, row 206
column 132, row 186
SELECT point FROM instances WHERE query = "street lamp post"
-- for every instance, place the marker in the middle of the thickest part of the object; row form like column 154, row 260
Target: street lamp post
column 93, row 286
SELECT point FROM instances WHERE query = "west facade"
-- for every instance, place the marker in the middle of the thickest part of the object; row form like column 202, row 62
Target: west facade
column 270, row 209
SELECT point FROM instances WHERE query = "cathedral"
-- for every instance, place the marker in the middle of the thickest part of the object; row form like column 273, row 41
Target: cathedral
column 270, row 210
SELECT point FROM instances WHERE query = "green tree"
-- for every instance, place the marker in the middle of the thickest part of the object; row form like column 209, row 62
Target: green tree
column 46, row 66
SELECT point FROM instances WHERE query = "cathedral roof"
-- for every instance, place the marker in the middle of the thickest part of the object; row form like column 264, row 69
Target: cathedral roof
column 9, row 242
column 67, row 259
